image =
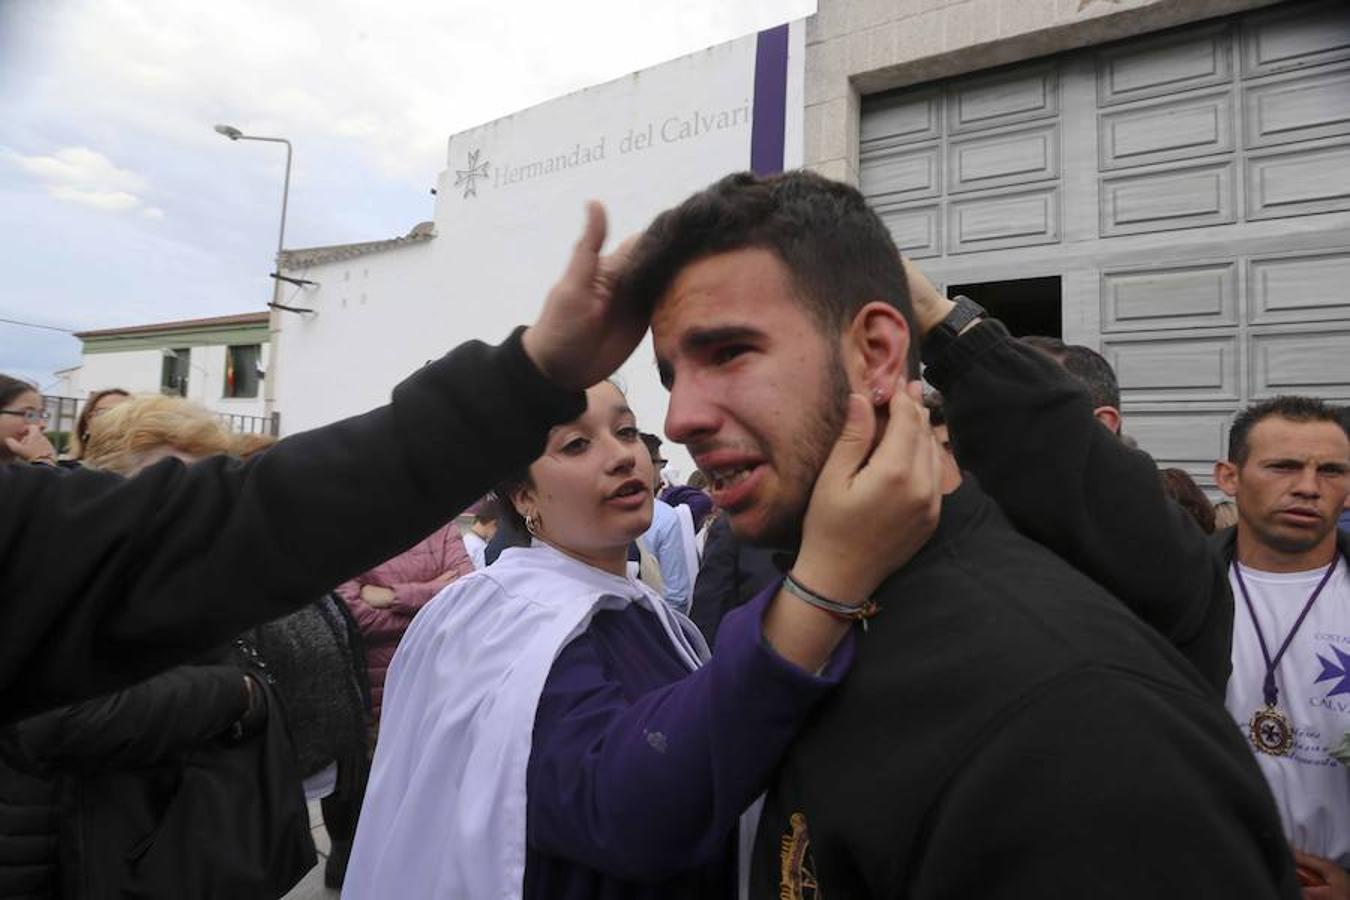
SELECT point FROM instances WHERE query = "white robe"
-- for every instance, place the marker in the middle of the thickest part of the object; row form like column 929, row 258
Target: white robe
column 444, row 813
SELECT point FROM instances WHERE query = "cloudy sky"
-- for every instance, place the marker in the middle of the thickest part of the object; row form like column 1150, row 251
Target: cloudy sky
column 119, row 205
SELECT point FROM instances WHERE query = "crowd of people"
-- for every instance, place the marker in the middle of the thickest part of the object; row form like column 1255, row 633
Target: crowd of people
column 924, row 623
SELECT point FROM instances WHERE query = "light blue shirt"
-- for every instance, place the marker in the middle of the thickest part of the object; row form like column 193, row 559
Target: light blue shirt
column 671, row 541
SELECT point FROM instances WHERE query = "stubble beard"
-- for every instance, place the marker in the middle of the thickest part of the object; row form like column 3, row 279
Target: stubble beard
column 782, row 529
column 1295, row 543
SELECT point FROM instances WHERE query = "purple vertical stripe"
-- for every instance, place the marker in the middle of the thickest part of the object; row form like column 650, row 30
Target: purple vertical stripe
column 770, row 110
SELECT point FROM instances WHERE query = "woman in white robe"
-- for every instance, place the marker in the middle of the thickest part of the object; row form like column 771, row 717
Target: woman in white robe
column 552, row 729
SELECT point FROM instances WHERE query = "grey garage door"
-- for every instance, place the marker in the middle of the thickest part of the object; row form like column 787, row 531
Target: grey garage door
column 1191, row 190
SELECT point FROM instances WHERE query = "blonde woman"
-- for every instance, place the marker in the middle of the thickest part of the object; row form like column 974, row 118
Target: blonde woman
column 142, row 430
column 140, row 767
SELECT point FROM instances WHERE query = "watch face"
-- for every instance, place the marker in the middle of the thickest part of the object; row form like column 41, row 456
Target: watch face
column 967, row 310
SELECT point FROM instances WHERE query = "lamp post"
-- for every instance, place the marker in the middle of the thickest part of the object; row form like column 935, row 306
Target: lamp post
column 274, row 319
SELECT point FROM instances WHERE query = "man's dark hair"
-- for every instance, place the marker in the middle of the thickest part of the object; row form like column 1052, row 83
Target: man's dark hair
column 1087, row 365
column 487, row 511
column 653, row 444
column 1286, row 406
column 837, row 251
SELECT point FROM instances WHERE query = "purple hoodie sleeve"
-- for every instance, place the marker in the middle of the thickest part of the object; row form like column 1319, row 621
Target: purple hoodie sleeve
column 641, row 788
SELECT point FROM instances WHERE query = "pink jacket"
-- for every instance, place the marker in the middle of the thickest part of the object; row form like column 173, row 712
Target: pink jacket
column 415, row 576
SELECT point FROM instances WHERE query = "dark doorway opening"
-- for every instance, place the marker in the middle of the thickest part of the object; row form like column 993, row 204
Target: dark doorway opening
column 1025, row 305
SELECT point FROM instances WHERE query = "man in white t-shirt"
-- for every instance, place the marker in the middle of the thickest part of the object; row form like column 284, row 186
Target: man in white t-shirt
column 1032, row 437
column 1288, row 469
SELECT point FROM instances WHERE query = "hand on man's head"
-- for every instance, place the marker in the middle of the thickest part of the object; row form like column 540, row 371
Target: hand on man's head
column 583, row 333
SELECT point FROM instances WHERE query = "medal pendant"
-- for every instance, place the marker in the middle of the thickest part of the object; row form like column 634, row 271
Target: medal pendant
column 1271, row 732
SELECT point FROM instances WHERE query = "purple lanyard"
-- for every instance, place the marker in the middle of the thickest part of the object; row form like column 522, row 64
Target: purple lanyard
column 1268, row 687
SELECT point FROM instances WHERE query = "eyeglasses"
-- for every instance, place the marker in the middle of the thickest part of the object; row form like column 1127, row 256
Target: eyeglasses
column 31, row 416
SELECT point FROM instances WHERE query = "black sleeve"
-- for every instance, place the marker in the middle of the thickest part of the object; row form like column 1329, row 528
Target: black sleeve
column 1024, row 427
column 104, row 581
column 715, row 589
column 1105, row 788
column 145, row 724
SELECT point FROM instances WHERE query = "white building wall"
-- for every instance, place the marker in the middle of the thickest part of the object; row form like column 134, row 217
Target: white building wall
column 639, row 144
column 139, row 371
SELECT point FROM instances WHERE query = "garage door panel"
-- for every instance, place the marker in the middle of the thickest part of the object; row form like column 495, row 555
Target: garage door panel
column 894, row 120
column 1175, row 367
column 1298, row 183
column 1003, row 99
column 1298, row 109
column 998, row 160
column 1173, row 297
column 1187, row 439
column 1164, row 132
column 1165, row 66
column 917, row 231
column 1300, row 288
column 1310, row 362
column 1003, row 221
column 1295, row 37
column 1170, row 199
column 1190, row 187
column 903, row 173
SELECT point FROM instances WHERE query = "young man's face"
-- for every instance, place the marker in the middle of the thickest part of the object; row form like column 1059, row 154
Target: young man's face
column 1293, row 484
column 757, row 393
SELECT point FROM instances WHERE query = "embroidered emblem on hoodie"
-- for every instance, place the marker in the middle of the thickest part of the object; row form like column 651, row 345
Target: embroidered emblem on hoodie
column 797, row 875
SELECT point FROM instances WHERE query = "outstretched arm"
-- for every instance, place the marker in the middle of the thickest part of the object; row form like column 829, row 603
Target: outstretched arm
column 1024, row 427
column 174, row 712
column 107, row 581
column 647, row 788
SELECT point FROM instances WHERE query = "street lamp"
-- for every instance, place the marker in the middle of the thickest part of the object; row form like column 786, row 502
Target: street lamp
column 235, row 134
column 269, row 385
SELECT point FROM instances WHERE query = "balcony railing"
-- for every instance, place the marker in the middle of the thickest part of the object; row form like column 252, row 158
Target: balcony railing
column 66, row 412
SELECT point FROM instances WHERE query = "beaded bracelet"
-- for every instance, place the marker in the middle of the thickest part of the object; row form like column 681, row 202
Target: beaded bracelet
column 847, row 611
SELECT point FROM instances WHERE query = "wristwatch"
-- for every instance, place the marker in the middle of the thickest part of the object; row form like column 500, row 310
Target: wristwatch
column 946, row 331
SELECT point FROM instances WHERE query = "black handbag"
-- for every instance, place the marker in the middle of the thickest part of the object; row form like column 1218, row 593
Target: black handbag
column 236, row 828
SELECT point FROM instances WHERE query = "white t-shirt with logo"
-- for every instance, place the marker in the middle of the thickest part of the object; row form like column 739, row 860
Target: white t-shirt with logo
column 1311, row 787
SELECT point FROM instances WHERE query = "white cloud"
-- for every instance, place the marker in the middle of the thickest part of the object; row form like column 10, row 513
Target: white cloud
column 84, row 176
column 80, row 167
column 113, row 201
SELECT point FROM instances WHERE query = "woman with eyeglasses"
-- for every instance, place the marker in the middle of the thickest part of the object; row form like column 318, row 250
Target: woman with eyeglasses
column 23, row 424
column 98, row 403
